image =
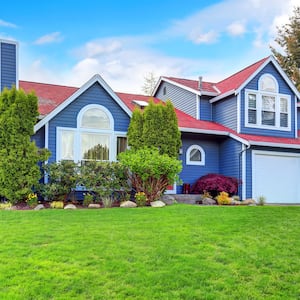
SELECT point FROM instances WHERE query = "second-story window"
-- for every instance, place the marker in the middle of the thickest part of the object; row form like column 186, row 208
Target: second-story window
column 266, row 107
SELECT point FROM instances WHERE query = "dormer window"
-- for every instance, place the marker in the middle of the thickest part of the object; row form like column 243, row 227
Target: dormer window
column 266, row 108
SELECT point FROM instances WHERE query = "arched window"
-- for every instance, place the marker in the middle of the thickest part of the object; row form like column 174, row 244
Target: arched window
column 267, row 83
column 195, row 155
column 95, row 118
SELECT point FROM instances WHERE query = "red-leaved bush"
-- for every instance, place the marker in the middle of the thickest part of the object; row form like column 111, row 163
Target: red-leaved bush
column 216, row 183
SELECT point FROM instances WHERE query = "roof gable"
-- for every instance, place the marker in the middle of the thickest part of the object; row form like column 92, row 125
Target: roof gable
column 65, row 102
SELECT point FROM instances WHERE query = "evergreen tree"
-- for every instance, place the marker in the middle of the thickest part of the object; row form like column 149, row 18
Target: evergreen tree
column 289, row 40
column 19, row 156
column 135, row 130
column 157, row 127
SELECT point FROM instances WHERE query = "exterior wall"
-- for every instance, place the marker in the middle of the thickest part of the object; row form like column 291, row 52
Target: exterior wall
column 181, row 99
column 225, row 112
column 8, row 64
column 39, row 138
column 68, row 117
column 230, row 160
column 249, row 164
column 190, row 173
column 283, row 89
column 298, row 118
column 205, row 109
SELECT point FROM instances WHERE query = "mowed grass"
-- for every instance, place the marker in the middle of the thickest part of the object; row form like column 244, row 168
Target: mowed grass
column 177, row 252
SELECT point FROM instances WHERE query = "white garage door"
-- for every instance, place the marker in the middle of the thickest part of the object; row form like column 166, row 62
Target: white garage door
column 276, row 176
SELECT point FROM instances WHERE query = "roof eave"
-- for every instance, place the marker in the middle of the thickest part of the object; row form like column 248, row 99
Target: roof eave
column 277, row 145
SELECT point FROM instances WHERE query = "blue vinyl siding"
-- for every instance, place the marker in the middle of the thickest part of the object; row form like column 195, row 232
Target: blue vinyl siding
column 225, row 112
column 181, row 99
column 205, row 109
column 8, row 65
column 283, row 89
column 39, row 138
column 190, row 173
column 68, row 117
column 249, row 164
column 230, row 159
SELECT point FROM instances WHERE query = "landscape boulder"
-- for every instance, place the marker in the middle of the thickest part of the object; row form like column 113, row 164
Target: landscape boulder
column 168, row 199
column 128, row 204
column 209, row 201
column 39, row 207
column 70, row 206
column 157, row 203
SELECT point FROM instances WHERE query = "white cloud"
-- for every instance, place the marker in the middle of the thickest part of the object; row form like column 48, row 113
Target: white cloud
column 209, row 37
column 236, row 28
column 7, row 24
column 53, row 37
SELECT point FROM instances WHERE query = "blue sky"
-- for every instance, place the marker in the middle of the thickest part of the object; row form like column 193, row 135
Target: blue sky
column 67, row 42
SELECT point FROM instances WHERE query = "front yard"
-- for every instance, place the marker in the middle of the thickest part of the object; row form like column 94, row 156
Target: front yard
column 177, row 252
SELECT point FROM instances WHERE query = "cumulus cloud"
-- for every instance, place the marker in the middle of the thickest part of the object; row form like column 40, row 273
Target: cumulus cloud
column 50, row 38
column 236, row 28
column 7, row 24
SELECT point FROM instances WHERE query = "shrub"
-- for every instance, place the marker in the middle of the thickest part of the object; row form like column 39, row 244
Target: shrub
column 107, row 202
column 140, row 199
column 149, row 171
column 57, row 204
column 88, row 199
column 223, row 199
column 261, row 200
column 32, row 200
column 215, row 184
column 5, row 205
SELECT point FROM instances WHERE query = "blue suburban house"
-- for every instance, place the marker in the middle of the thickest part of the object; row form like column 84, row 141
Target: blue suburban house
column 244, row 126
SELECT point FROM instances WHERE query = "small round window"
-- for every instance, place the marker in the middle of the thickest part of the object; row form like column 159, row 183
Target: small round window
column 195, row 155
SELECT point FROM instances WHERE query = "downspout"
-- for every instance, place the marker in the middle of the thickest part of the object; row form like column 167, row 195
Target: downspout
column 242, row 162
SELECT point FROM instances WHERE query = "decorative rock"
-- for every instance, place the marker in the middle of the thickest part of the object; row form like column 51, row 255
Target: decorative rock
column 94, row 205
column 248, row 202
column 235, row 202
column 209, row 201
column 157, row 203
column 39, row 207
column 70, row 206
column 168, row 200
column 128, row 204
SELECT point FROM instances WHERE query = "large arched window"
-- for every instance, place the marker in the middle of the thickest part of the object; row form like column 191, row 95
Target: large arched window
column 195, row 155
column 93, row 138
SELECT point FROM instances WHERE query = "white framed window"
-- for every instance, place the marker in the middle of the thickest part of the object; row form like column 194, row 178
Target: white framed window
column 92, row 139
column 266, row 108
column 195, row 155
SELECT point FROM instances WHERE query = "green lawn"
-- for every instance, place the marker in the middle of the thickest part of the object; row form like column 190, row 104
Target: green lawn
column 177, row 252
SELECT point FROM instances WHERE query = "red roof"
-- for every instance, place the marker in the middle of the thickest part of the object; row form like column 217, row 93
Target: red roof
column 184, row 120
column 236, row 80
column 49, row 95
column 231, row 83
column 194, row 84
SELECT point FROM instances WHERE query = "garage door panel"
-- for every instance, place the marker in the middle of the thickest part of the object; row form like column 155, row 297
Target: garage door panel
column 276, row 176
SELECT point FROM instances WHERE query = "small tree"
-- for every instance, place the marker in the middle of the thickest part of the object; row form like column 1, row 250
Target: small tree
column 150, row 172
column 289, row 40
column 157, row 127
column 19, row 156
column 149, row 83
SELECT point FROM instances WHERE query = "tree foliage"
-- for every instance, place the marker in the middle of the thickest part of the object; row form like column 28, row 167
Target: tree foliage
column 289, row 40
column 149, row 171
column 157, row 127
column 19, row 156
column 149, row 83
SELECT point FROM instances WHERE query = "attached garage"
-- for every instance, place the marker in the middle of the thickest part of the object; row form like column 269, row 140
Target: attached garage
column 276, row 176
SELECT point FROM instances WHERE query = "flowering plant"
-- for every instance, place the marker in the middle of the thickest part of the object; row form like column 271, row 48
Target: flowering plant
column 140, row 199
column 32, row 200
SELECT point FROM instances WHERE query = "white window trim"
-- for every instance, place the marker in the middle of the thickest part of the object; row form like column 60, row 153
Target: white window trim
column 78, row 131
column 277, row 96
column 188, row 153
column 262, row 77
column 95, row 106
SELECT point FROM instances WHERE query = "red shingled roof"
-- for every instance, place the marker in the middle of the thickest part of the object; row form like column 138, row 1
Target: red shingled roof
column 194, row 84
column 49, row 95
column 184, row 120
column 231, row 83
column 236, row 80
